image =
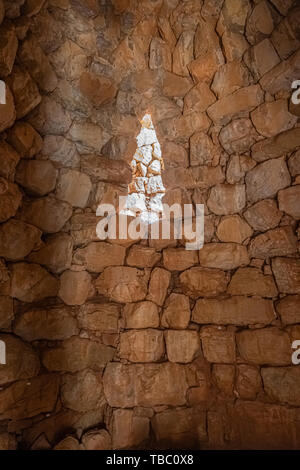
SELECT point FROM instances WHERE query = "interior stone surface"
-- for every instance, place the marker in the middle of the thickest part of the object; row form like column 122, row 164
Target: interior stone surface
column 123, row 344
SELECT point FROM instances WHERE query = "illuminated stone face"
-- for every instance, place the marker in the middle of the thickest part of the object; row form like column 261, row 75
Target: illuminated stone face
column 146, row 191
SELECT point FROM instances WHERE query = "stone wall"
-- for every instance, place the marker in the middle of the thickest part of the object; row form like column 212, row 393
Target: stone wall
column 147, row 345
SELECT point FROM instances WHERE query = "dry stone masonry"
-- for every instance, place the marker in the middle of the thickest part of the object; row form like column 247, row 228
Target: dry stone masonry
column 123, row 344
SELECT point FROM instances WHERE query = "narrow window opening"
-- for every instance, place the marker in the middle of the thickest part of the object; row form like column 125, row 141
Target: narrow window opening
column 146, row 191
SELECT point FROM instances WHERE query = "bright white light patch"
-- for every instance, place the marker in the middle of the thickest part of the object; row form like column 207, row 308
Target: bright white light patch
column 146, row 189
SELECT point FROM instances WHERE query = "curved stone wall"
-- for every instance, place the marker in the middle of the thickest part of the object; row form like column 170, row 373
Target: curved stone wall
column 123, row 344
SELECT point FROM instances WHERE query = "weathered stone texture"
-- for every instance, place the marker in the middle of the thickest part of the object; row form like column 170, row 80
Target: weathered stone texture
column 239, row 310
column 118, row 343
column 126, row 386
column 204, row 282
column 257, row 346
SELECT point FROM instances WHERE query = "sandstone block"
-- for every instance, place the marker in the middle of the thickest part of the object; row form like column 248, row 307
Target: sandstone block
column 237, row 167
column 50, row 118
column 25, row 399
column 204, row 282
column 126, row 386
column 38, row 177
column 266, row 179
column 10, row 199
column 288, row 200
column 31, row 282
column 294, row 164
column 238, row 136
column 237, row 104
column 233, row 229
column 288, row 309
column 75, row 287
column 102, row 169
column 179, row 259
column 248, row 381
column 280, row 77
column 233, row 16
column 142, row 257
column 183, row 53
column 142, row 345
column 48, row 214
column 177, row 312
column 96, row 440
column 261, row 58
column 251, row 281
column 88, row 137
column 96, row 256
column 8, row 49
column 74, row 187
column 223, row 256
column 6, row 312
column 261, row 22
column 282, row 384
column 239, row 310
column 160, row 55
column 204, row 67
column 24, row 138
column 141, row 315
column 182, row 346
column 128, row 430
column 275, row 426
column 224, row 376
column 83, row 391
column 68, row 443
column 203, row 151
column 227, row 199
column 7, row 111
column 198, row 98
column 34, row 59
column 22, row 362
column 265, row 346
column 98, row 89
column 287, row 275
column 234, row 45
column 52, row 324
column 277, row 242
column 264, row 215
column 60, row 151
column 175, row 86
column 89, row 8
column 179, row 427
column 25, row 91
column 158, row 286
column 18, row 239
column 123, row 284
column 230, row 78
column 55, row 253
column 76, row 354
column 218, row 344
column 9, row 161
column 100, row 317
column 276, row 146
column 7, row 441
column 272, row 118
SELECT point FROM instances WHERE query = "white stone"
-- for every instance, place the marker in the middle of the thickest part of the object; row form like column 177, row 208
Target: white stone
column 155, row 203
column 147, row 121
column 144, row 154
column 146, row 137
column 155, row 167
column 136, row 202
column 157, row 150
column 155, row 185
